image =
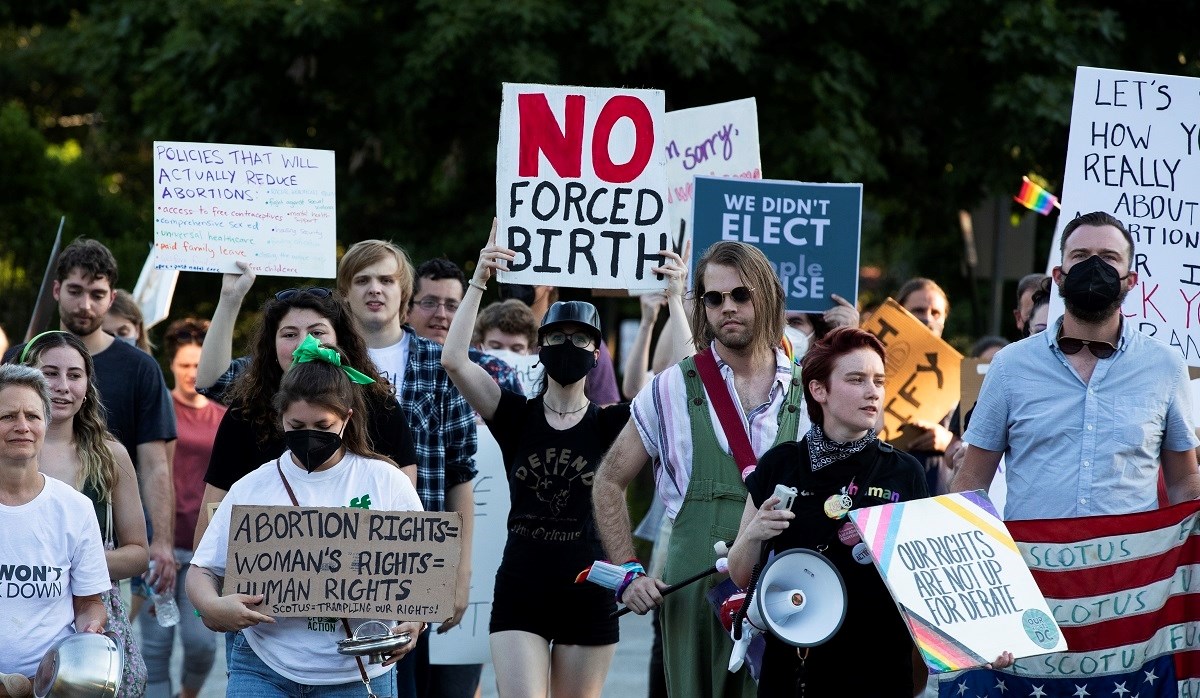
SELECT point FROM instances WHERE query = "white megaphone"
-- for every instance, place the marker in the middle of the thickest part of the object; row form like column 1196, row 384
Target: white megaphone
column 800, row 598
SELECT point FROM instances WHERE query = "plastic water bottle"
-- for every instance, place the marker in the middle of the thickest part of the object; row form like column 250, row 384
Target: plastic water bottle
column 166, row 610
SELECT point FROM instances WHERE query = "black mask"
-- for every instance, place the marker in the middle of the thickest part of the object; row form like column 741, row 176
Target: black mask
column 566, row 363
column 1092, row 290
column 311, row 446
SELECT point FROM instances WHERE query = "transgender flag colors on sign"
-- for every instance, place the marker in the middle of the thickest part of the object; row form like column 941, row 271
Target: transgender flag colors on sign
column 1124, row 592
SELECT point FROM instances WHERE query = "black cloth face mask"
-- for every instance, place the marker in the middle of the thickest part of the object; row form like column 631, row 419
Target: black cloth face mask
column 566, row 363
column 1092, row 288
column 311, row 446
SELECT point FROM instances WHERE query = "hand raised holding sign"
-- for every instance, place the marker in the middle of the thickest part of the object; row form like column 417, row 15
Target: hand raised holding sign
column 675, row 270
column 236, row 286
column 492, row 258
column 231, row 612
column 842, row 314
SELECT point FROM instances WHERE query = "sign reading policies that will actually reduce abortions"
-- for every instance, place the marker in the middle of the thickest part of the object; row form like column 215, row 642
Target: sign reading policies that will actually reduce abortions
column 809, row 232
column 218, row 204
column 1134, row 152
column 581, row 186
column 345, row 562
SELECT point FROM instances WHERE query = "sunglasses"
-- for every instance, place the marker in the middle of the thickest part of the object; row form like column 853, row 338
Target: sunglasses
column 289, row 293
column 1100, row 350
column 715, row 299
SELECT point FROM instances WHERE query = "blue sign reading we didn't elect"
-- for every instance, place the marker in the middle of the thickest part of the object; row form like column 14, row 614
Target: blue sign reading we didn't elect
column 809, row 232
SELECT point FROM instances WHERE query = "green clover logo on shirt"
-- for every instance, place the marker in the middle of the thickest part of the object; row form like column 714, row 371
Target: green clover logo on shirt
column 363, row 502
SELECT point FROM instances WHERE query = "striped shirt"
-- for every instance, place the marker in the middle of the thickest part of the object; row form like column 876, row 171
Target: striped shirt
column 660, row 413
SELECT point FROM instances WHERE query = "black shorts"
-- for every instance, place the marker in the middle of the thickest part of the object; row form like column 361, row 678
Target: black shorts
column 566, row 614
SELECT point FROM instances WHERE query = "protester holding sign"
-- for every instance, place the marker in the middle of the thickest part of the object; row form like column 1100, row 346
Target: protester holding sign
column 543, row 623
column 249, row 431
column 1118, row 398
column 329, row 461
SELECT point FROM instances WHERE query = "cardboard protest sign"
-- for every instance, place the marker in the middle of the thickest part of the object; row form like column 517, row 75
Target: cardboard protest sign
column 922, row 370
column 717, row 140
column 971, row 376
column 809, row 232
column 581, row 186
column 467, row 643
column 345, row 562
column 959, row 580
column 217, row 204
column 1134, row 151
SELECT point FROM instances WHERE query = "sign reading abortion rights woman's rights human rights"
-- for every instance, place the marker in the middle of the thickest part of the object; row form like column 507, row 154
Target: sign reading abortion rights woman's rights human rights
column 217, row 204
column 809, row 232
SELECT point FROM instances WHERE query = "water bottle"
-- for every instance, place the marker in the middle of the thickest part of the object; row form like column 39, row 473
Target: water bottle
column 166, row 610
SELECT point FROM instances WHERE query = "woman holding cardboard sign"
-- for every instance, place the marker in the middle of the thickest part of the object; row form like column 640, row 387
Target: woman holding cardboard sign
column 329, row 462
column 549, row 635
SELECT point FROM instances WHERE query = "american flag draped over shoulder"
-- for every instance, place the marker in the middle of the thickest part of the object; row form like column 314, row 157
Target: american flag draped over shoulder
column 1126, row 592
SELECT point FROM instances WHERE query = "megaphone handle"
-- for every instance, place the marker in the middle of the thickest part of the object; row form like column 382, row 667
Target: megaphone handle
column 694, row 578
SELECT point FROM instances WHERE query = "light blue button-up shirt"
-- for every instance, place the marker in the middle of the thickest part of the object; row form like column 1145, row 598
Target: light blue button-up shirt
column 1082, row 449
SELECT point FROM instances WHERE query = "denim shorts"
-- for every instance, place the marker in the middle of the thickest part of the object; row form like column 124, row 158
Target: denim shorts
column 250, row 677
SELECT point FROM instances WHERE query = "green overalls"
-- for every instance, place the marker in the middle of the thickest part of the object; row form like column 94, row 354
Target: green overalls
column 695, row 647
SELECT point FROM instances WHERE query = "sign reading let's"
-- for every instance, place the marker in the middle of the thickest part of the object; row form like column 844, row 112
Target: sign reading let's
column 581, row 186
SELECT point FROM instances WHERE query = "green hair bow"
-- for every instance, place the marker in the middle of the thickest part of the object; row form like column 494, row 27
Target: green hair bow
column 311, row 350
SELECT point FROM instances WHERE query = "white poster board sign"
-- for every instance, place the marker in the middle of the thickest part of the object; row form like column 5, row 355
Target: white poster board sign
column 959, row 580
column 581, row 186
column 216, row 204
column 468, row 643
column 1134, row 152
column 719, row 140
column 154, row 290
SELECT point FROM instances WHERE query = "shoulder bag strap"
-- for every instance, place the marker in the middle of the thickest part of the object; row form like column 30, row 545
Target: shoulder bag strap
column 727, row 414
column 362, row 669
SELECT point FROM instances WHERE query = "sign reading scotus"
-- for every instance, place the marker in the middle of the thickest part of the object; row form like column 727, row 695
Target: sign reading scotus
column 581, row 186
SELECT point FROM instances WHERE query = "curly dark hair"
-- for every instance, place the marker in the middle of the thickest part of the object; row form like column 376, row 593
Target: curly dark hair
column 254, row 390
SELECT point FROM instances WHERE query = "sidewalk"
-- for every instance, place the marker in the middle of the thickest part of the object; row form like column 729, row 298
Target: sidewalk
column 626, row 679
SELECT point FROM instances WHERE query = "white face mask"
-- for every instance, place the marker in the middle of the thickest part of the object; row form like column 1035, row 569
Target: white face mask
column 798, row 339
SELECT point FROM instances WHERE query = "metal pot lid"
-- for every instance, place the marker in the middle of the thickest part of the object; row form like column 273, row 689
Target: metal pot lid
column 373, row 644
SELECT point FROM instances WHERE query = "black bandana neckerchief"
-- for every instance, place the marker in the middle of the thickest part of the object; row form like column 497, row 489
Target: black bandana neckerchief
column 823, row 451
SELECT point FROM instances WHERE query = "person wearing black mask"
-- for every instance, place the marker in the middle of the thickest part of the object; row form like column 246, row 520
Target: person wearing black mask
column 1084, row 412
column 549, row 635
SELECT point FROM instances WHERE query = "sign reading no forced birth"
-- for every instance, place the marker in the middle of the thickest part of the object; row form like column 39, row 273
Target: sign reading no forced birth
column 345, row 562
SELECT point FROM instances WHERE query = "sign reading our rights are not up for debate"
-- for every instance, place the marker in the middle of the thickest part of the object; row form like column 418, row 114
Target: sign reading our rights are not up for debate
column 218, row 204
column 581, row 186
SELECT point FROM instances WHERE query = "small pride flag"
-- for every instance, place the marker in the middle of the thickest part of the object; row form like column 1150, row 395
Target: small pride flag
column 1035, row 198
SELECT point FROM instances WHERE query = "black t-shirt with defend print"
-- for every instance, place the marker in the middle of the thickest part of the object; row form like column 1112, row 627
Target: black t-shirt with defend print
column 550, row 482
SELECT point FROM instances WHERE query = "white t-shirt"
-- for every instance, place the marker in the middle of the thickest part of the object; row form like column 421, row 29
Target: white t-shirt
column 305, row 649
column 392, row 362
column 50, row 552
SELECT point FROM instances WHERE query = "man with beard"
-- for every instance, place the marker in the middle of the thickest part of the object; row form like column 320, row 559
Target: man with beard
column 132, row 389
column 1084, row 412
column 738, row 319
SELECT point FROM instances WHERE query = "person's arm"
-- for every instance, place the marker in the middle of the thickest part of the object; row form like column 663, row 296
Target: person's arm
column 461, row 498
column 759, row 524
column 227, row 613
column 634, row 374
column 977, row 470
column 214, row 495
column 217, row 351
column 624, row 460
column 158, row 494
column 1180, row 474
column 90, row 613
column 129, row 559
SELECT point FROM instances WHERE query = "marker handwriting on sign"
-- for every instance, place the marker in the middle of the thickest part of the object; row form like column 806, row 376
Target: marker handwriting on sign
column 696, row 154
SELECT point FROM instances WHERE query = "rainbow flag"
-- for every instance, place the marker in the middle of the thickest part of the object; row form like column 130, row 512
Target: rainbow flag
column 1035, row 198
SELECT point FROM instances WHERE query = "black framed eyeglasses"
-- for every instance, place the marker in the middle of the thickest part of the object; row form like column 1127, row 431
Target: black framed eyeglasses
column 579, row 339
column 1099, row 349
column 715, row 299
column 289, row 293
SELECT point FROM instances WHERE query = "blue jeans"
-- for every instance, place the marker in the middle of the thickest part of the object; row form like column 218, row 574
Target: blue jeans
column 199, row 643
column 250, row 677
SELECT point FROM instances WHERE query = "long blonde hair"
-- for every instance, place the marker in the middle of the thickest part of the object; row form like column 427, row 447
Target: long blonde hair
column 89, row 428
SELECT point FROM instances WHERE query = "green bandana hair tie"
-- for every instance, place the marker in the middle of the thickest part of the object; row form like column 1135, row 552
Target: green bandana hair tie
column 311, row 350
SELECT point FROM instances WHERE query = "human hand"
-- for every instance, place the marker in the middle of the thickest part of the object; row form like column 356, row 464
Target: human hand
column 934, row 437
column 842, row 314
column 236, row 286
column 161, row 576
column 1004, row 661
column 643, row 594
column 676, row 272
column 414, row 629
column 651, row 304
column 492, row 258
column 94, row 625
column 768, row 522
column 232, row 612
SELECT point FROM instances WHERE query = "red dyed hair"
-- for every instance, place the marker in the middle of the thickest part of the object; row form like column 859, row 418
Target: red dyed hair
column 817, row 364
